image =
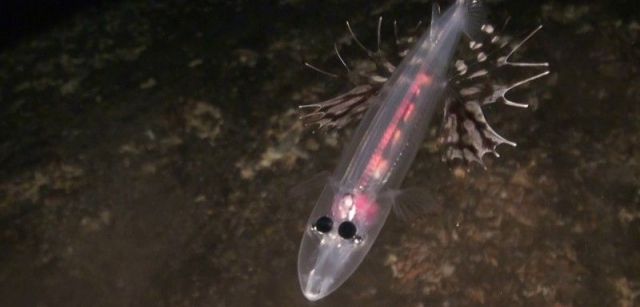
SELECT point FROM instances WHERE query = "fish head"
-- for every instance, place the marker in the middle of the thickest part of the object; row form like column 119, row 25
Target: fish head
column 339, row 233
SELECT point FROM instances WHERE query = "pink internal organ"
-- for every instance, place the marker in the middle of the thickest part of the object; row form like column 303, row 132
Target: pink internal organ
column 367, row 209
column 378, row 165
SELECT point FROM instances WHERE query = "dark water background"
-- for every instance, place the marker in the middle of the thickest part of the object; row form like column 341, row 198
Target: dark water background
column 146, row 148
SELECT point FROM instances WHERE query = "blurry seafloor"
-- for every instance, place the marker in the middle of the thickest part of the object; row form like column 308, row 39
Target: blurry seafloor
column 146, row 148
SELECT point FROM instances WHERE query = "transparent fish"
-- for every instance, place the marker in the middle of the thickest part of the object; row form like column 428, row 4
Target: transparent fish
column 396, row 111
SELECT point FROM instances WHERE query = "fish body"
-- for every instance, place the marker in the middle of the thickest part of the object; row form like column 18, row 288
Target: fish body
column 356, row 201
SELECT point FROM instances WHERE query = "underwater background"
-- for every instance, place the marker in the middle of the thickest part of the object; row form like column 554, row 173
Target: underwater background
column 147, row 147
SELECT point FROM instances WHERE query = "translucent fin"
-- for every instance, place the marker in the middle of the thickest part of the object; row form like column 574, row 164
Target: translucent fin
column 467, row 134
column 311, row 187
column 337, row 112
column 411, row 203
column 477, row 82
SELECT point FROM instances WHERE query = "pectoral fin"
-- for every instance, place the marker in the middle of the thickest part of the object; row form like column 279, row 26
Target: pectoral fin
column 411, row 203
column 477, row 82
column 339, row 111
column 311, row 187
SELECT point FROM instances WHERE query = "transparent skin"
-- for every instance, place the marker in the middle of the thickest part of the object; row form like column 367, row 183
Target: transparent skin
column 360, row 191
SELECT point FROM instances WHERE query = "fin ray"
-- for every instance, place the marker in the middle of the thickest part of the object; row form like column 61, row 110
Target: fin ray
column 466, row 133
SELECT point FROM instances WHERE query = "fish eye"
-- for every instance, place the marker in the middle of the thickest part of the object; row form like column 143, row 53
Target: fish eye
column 347, row 230
column 323, row 224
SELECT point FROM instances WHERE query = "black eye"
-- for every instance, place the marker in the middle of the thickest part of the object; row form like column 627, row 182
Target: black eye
column 323, row 224
column 347, row 230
